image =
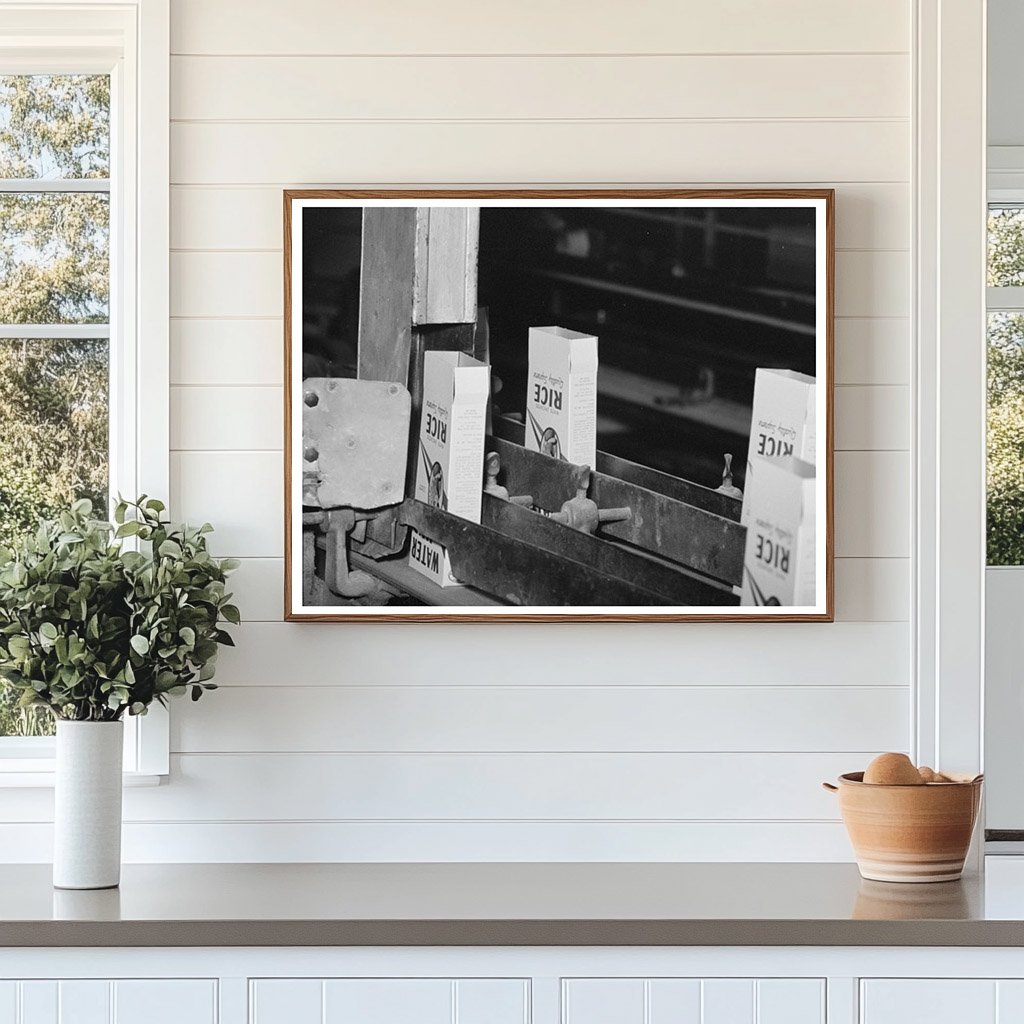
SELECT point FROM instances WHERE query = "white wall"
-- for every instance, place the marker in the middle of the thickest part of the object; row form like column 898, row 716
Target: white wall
column 679, row 741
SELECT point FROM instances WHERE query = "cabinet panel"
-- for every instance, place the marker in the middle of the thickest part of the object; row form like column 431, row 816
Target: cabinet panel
column 492, row 1002
column 84, row 1002
column 674, row 1001
column 1010, row 1002
column 388, row 1001
column 791, row 1001
column 603, row 1001
column 937, row 1001
column 38, row 1002
column 693, row 1001
column 727, row 1001
column 286, row 1001
column 165, row 1002
column 8, row 1002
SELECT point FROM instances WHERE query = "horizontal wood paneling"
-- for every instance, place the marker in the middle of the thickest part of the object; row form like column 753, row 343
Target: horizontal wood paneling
column 872, row 504
column 872, row 418
column 548, row 718
column 461, row 26
column 259, row 584
column 227, row 352
column 872, row 350
column 867, row 589
column 232, row 284
column 749, row 654
column 868, row 216
column 606, row 786
column 734, row 93
column 205, row 284
column 237, row 418
column 327, row 841
column 240, row 492
column 241, row 217
column 727, row 152
column 872, row 283
column 872, row 589
column 538, row 88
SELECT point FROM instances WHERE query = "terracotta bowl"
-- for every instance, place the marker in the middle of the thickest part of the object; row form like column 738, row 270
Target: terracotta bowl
column 909, row 833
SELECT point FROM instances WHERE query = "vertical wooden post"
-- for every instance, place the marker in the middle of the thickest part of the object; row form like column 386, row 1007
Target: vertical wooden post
column 419, row 268
column 386, row 292
column 447, row 244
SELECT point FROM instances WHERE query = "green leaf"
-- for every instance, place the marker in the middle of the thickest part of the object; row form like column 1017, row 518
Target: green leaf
column 18, row 646
column 231, row 613
column 170, row 549
column 48, row 631
column 140, row 644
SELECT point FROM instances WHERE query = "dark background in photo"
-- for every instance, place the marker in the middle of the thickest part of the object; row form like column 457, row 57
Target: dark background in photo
column 686, row 304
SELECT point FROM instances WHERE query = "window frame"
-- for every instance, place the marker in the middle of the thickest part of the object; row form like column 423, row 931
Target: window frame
column 130, row 41
column 1002, row 712
column 1004, row 298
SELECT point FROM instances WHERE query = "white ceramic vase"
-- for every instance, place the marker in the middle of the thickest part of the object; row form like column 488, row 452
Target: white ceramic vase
column 87, row 806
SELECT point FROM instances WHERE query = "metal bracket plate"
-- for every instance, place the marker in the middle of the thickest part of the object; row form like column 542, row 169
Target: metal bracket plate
column 355, row 437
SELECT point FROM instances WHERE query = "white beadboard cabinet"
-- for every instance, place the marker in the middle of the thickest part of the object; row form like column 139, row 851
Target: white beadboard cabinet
column 513, row 985
column 389, row 1001
column 103, row 1001
column 942, row 1001
column 693, row 1001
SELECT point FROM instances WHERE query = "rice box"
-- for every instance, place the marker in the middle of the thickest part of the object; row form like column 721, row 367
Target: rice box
column 561, row 400
column 449, row 472
column 778, row 561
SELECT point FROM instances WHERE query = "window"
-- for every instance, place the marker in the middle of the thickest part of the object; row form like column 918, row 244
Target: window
column 54, row 308
column 84, row 125
column 1005, row 498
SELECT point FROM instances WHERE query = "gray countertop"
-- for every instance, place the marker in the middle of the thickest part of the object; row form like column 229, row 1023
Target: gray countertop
column 503, row 904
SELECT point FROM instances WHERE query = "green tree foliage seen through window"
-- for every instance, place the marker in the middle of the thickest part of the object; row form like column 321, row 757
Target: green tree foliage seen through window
column 54, row 271
column 1005, row 485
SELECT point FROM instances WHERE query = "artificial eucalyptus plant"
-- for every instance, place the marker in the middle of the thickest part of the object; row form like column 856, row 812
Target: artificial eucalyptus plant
column 91, row 630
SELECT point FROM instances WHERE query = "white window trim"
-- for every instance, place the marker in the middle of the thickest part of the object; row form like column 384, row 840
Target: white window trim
column 130, row 40
column 949, row 443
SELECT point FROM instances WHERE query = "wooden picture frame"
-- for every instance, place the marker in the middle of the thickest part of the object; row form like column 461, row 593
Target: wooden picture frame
column 417, row 270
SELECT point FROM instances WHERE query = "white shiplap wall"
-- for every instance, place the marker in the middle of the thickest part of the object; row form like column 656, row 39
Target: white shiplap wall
column 540, row 742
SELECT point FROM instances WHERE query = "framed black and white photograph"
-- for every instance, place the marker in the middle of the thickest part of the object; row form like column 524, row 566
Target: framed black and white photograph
column 558, row 405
